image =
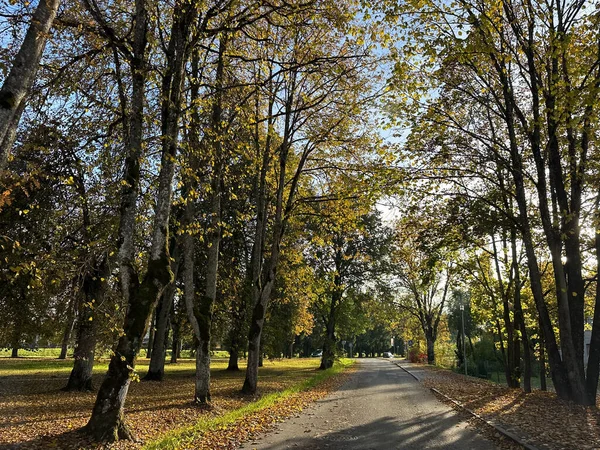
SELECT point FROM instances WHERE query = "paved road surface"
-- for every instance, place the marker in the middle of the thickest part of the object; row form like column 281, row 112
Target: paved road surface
column 380, row 407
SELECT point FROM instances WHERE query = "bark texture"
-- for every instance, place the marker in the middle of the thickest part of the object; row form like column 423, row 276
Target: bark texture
column 107, row 422
column 156, row 370
column 232, row 364
column 151, row 333
column 263, row 274
column 200, row 311
column 93, row 291
column 17, row 85
column 329, row 344
column 176, row 318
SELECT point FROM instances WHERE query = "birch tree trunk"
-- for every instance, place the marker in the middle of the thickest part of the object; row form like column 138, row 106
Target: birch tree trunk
column 17, row 85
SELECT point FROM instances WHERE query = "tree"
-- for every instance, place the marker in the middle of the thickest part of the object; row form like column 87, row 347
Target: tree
column 17, row 85
column 524, row 77
column 107, row 420
column 424, row 270
column 316, row 103
column 347, row 250
column 459, row 309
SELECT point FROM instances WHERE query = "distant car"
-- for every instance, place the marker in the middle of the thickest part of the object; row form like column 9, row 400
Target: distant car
column 388, row 355
column 317, row 353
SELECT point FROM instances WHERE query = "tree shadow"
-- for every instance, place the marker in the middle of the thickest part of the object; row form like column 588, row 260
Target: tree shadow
column 69, row 439
column 431, row 431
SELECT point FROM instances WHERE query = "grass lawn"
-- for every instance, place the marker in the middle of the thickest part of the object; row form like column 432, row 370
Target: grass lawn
column 55, row 352
column 39, row 353
column 34, row 411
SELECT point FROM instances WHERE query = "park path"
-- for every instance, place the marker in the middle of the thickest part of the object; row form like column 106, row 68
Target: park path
column 380, row 407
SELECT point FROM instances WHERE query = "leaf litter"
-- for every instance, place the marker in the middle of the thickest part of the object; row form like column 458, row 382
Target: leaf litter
column 36, row 414
column 539, row 418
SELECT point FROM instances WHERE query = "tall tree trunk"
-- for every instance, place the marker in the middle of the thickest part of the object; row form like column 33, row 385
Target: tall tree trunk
column 593, row 367
column 93, row 291
column 200, row 313
column 261, row 288
column 156, row 370
column 543, row 386
column 71, row 319
column 430, row 348
column 232, row 365
column 107, row 421
column 176, row 341
column 264, row 275
column 511, row 361
column 557, row 369
column 519, row 317
column 17, row 85
column 151, row 333
column 328, row 356
column 572, row 368
column 566, row 237
column 204, row 312
column 202, row 382
column 254, row 337
column 16, row 342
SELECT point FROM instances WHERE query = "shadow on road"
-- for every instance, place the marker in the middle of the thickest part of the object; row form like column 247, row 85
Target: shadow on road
column 385, row 433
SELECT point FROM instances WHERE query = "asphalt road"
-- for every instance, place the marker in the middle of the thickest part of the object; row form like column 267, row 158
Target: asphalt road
column 380, row 407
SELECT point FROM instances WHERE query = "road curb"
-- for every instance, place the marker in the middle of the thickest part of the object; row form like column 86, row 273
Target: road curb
column 491, row 423
column 408, row 372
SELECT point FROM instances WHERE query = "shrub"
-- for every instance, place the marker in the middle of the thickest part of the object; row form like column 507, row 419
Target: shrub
column 416, row 356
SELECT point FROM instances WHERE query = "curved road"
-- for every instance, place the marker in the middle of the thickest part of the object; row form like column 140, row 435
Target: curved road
column 380, row 407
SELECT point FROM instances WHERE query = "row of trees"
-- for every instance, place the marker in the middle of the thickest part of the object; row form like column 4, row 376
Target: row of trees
column 501, row 100
column 212, row 167
column 174, row 157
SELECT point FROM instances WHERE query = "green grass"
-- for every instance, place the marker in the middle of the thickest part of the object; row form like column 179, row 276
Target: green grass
column 178, row 438
column 49, row 366
column 39, row 353
column 55, row 352
column 45, row 361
